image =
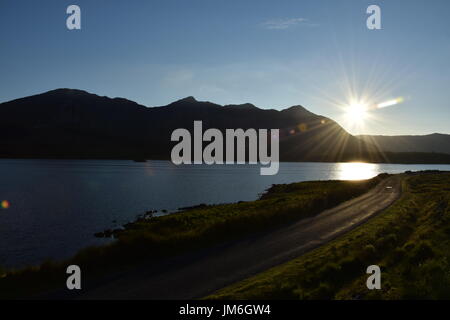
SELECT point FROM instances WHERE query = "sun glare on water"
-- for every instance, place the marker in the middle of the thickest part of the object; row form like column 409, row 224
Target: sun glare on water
column 357, row 170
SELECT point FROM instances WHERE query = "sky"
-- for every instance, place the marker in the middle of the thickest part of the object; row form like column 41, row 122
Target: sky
column 273, row 54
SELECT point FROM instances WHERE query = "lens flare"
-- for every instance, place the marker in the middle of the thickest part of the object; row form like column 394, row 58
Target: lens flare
column 361, row 112
column 389, row 103
column 5, row 204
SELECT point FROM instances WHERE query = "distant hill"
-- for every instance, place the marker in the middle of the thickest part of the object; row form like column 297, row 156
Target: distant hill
column 436, row 142
column 68, row 123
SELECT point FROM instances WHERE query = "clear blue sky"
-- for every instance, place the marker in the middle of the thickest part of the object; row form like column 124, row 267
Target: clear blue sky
column 273, row 54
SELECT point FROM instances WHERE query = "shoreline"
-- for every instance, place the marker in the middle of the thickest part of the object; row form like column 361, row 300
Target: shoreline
column 444, row 161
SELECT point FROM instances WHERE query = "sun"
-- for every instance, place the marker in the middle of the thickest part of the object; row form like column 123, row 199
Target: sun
column 356, row 113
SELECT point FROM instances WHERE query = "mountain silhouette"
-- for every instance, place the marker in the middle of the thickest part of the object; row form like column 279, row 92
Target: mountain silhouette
column 70, row 123
column 436, row 142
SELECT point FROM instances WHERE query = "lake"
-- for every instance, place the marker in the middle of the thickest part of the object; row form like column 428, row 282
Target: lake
column 52, row 208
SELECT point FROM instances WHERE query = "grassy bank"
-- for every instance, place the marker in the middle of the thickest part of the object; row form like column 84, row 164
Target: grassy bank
column 279, row 205
column 195, row 228
column 410, row 241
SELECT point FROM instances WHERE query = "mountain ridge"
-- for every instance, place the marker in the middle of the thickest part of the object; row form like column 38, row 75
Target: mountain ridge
column 434, row 142
column 72, row 123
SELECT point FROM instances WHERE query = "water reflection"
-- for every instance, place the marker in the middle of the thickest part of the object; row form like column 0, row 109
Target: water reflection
column 357, row 170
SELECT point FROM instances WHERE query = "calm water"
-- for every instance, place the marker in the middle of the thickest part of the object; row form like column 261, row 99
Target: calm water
column 55, row 206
